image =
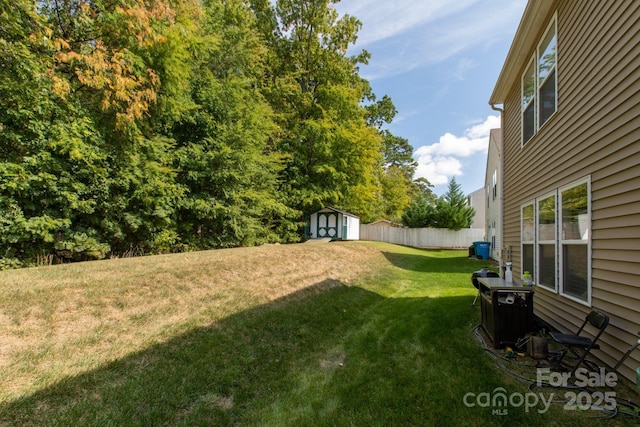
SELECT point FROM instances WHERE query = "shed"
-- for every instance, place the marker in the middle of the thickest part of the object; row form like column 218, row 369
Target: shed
column 333, row 223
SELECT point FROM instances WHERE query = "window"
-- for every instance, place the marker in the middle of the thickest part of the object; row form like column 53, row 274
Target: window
column 529, row 103
column 493, row 235
column 528, row 237
column 574, row 241
column 546, row 228
column 539, row 88
column 495, row 183
column 547, row 75
column 555, row 238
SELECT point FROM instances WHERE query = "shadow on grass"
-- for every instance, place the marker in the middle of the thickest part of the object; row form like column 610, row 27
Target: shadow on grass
column 436, row 261
column 327, row 355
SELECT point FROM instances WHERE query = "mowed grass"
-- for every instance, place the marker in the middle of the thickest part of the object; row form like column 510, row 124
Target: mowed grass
column 355, row 333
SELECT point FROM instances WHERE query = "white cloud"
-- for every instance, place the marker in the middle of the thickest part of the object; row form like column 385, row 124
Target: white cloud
column 462, row 67
column 385, row 19
column 439, row 162
column 404, row 35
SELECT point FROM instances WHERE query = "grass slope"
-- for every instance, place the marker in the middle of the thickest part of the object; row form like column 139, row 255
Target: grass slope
column 337, row 334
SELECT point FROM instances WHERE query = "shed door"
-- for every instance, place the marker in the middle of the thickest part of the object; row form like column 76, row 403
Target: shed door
column 327, row 224
column 344, row 227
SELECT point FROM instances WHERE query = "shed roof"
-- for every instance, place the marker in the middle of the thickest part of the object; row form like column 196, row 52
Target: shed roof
column 338, row 211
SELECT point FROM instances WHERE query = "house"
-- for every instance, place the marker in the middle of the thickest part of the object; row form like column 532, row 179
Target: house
column 569, row 92
column 476, row 200
column 334, row 224
column 493, row 194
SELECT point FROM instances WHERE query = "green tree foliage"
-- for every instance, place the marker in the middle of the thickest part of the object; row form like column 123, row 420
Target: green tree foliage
column 333, row 154
column 160, row 125
column 113, row 60
column 417, row 213
column 50, row 171
column 422, row 186
column 455, row 214
column 224, row 157
column 448, row 211
column 397, row 175
column 397, row 168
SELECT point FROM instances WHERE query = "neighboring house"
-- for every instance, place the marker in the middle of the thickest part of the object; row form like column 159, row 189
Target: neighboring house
column 493, row 216
column 477, row 201
column 570, row 94
column 334, row 224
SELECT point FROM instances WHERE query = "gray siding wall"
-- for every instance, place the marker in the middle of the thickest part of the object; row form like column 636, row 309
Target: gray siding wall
column 595, row 132
column 494, row 204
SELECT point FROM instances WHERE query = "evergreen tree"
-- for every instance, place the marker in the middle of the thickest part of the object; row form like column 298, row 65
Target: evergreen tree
column 448, row 211
column 451, row 210
column 417, row 213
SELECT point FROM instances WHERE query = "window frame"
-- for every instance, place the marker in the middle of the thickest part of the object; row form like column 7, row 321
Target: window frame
column 532, row 243
column 494, row 181
column 573, row 242
column 559, row 241
column 524, row 107
column 534, row 62
column 547, row 242
column 553, row 71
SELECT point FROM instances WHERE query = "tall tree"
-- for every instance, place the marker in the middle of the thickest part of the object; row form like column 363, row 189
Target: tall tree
column 117, row 57
column 451, row 210
column 316, row 93
column 25, row 90
column 422, row 186
column 447, row 211
column 155, row 124
column 417, row 213
column 223, row 155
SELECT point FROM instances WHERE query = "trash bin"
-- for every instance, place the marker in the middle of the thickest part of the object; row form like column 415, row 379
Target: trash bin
column 482, row 249
column 475, row 248
column 472, row 251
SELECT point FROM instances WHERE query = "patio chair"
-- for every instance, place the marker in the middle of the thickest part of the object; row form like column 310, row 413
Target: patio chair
column 573, row 342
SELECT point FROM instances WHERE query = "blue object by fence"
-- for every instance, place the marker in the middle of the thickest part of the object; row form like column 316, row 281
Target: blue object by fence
column 482, row 249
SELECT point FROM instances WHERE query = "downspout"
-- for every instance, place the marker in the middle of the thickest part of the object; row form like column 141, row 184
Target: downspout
column 501, row 181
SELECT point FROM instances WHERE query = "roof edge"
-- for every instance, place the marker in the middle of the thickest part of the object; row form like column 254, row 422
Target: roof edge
column 534, row 17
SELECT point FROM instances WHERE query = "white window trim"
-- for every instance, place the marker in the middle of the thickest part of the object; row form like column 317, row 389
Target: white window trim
column 554, row 24
column 536, row 90
column 533, row 99
column 586, row 180
column 539, row 242
column 533, row 243
column 494, row 181
column 559, row 242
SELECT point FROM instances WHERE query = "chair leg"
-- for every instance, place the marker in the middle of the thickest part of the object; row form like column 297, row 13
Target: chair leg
column 582, row 359
column 557, row 357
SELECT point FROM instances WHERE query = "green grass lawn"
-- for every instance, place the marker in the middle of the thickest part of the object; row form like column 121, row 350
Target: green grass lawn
column 277, row 341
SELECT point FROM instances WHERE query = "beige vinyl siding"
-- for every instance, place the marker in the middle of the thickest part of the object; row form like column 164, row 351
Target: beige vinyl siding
column 595, row 132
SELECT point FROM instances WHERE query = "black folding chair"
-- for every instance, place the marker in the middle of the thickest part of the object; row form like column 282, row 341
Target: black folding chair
column 574, row 342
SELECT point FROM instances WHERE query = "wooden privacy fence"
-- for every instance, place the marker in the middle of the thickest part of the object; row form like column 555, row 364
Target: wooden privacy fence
column 422, row 237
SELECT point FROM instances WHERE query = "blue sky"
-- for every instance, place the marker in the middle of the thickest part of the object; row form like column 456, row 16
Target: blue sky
column 438, row 60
